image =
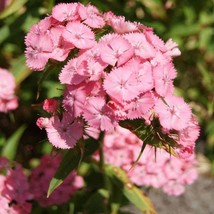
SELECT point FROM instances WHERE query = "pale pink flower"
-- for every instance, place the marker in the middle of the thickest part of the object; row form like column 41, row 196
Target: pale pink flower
column 173, row 112
column 66, row 12
column 61, row 47
column 40, row 179
column 7, row 84
column 172, row 48
column 91, row 16
column 142, row 47
column 80, row 35
column 153, row 39
column 38, row 51
column 143, row 71
column 116, row 51
column 173, row 188
column 121, row 84
column 64, row 134
column 73, row 72
column 120, row 25
column 140, row 106
column 164, row 75
column 98, row 114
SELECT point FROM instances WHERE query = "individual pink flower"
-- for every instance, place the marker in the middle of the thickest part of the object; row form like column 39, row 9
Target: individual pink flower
column 80, row 35
column 142, row 47
column 143, row 72
column 91, row 16
column 66, row 12
column 140, row 106
column 64, row 134
column 163, row 78
column 8, row 100
column 73, row 72
column 39, row 51
column 98, row 114
column 50, row 105
column 116, row 51
column 173, row 112
column 7, row 84
column 40, row 179
column 121, row 84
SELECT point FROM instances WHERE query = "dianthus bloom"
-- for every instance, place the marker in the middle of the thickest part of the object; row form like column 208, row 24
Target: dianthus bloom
column 123, row 77
column 8, row 100
column 14, row 190
column 41, row 176
column 171, row 174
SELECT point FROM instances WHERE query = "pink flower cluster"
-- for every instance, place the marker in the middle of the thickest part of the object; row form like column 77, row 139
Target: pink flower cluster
column 40, row 179
column 14, row 190
column 118, row 71
column 8, row 100
column 171, row 174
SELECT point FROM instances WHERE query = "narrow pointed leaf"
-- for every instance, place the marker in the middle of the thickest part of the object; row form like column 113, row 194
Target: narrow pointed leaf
column 71, row 161
column 11, row 145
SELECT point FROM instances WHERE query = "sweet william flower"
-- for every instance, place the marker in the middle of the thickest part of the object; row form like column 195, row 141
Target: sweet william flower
column 80, row 35
column 173, row 112
column 116, row 51
column 98, row 114
column 66, row 12
column 64, row 134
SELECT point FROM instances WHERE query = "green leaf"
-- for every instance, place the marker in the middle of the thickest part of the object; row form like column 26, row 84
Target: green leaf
column 130, row 191
column 10, row 148
column 71, row 161
column 14, row 6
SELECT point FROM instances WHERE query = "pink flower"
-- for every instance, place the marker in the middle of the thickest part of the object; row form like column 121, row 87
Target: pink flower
column 73, row 72
column 64, row 134
column 172, row 48
column 98, row 114
column 139, row 107
column 173, row 112
column 8, row 100
column 79, row 35
column 39, row 51
column 143, row 71
column 42, row 122
column 66, row 12
column 117, row 50
column 121, row 84
column 163, row 77
column 91, row 16
column 15, row 191
column 7, row 84
column 41, row 176
column 142, row 47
